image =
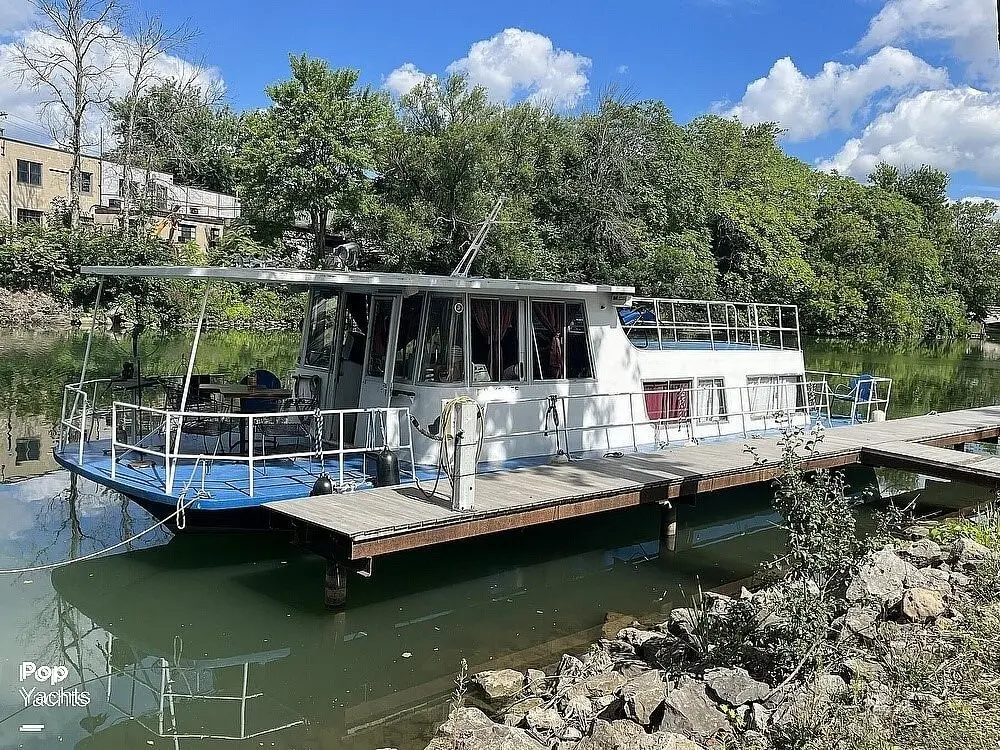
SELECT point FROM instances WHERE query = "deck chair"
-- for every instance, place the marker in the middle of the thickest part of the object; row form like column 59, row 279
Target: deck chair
column 265, row 379
column 211, row 425
column 288, row 426
column 860, row 390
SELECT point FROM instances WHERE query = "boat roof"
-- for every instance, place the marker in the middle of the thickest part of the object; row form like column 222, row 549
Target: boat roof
column 369, row 280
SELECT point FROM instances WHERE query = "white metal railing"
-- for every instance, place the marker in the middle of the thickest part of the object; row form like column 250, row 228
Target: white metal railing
column 150, row 425
column 861, row 396
column 660, row 323
column 694, row 413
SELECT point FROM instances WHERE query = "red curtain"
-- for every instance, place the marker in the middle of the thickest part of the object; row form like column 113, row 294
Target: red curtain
column 551, row 314
column 668, row 400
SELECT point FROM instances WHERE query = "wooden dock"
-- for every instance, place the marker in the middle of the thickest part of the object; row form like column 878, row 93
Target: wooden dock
column 351, row 529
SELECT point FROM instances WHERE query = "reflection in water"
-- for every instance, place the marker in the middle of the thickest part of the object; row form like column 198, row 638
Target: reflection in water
column 220, row 641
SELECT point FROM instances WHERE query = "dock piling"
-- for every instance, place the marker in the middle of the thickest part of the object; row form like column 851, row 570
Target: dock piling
column 668, row 526
column 335, row 585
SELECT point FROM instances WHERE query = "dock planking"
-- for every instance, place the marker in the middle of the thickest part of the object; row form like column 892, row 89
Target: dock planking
column 358, row 526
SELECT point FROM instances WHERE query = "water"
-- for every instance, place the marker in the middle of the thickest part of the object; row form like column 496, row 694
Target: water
column 168, row 636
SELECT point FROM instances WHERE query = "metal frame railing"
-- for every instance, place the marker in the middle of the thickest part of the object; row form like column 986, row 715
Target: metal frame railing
column 746, row 324
column 864, row 394
column 170, row 424
column 808, row 398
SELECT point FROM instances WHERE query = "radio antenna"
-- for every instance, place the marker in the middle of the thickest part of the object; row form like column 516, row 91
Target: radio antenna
column 465, row 264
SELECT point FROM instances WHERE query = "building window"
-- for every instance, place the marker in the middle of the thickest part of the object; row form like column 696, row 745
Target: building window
column 29, row 172
column 213, row 236
column 444, row 339
column 668, row 400
column 86, row 182
column 710, row 400
column 560, row 341
column 186, row 233
column 194, row 210
column 494, row 345
column 27, row 216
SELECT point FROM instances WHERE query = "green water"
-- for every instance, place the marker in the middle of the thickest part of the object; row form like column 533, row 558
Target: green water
column 167, row 636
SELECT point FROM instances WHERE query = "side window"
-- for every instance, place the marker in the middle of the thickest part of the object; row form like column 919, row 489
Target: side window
column 667, row 399
column 322, row 329
column 379, row 345
column 494, row 348
column 770, row 393
column 409, row 338
column 444, row 357
column 560, row 341
column 711, row 400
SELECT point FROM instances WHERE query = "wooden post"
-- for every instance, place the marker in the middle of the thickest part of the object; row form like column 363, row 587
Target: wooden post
column 335, row 587
column 463, row 490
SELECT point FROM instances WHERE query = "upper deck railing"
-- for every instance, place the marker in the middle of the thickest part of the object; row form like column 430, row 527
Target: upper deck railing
column 659, row 323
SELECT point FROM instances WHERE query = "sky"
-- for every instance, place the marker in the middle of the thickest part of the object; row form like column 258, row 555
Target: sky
column 852, row 82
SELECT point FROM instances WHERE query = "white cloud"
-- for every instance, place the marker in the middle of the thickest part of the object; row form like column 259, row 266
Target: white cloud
column 25, row 103
column 516, row 62
column 968, row 26
column 15, row 15
column 952, row 129
column 402, row 80
column 810, row 106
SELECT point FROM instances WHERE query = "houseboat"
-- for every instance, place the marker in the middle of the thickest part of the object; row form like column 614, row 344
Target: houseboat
column 396, row 372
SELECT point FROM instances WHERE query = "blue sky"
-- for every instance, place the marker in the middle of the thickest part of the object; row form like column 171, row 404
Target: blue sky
column 853, row 81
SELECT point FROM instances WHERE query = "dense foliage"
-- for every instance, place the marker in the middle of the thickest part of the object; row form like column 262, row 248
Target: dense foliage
column 620, row 194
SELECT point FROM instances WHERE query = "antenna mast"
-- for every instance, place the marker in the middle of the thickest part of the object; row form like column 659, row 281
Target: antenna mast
column 465, row 264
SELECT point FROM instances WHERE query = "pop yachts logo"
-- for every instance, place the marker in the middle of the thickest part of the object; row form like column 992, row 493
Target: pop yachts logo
column 51, row 676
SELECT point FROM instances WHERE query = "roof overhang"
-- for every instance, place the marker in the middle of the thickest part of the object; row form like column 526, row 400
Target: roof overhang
column 363, row 280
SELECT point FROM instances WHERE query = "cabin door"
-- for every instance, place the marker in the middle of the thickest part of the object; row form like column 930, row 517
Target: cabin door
column 376, row 381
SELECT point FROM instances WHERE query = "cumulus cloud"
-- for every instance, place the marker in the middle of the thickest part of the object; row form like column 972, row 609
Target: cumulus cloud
column 15, row 15
column 402, row 80
column 516, row 62
column 952, row 129
column 810, row 106
column 969, row 27
column 25, row 104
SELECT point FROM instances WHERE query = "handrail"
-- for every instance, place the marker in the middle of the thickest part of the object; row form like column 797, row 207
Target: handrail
column 750, row 324
column 248, row 425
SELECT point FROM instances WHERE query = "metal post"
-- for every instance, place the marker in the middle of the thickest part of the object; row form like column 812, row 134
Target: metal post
column 114, row 438
column 90, row 336
column 190, row 367
column 166, row 455
column 250, row 440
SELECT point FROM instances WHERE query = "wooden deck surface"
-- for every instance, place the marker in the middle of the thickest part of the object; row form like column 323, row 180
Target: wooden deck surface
column 380, row 521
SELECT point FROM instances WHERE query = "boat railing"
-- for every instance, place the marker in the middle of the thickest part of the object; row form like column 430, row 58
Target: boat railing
column 855, row 397
column 663, row 323
column 164, row 437
column 697, row 413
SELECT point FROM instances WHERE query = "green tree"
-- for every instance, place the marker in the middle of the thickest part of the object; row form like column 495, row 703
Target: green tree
column 314, row 150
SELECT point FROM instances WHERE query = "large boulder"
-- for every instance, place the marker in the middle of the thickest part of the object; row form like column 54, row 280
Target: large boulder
column 500, row 685
column 922, row 605
column 643, row 695
column 735, row 686
column 881, row 579
column 516, row 712
column 861, row 621
column 613, row 735
column 544, row 719
column 922, row 552
column 934, row 579
column 688, row 710
column 970, row 554
column 471, row 729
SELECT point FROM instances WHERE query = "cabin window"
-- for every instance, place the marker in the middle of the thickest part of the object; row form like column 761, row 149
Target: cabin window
column 444, row 356
column 775, row 393
column 379, row 344
column 494, row 344
column 355, row 328
column 710, row 399
column 668, row 400
column 322, row 329
column 409, row 338
column 560, row 341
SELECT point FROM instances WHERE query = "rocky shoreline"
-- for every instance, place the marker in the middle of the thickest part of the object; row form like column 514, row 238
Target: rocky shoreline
column 893, row 638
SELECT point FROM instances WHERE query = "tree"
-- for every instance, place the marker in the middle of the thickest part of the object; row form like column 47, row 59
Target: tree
column 315, row 149
column 67, row 55
column 150, row 41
